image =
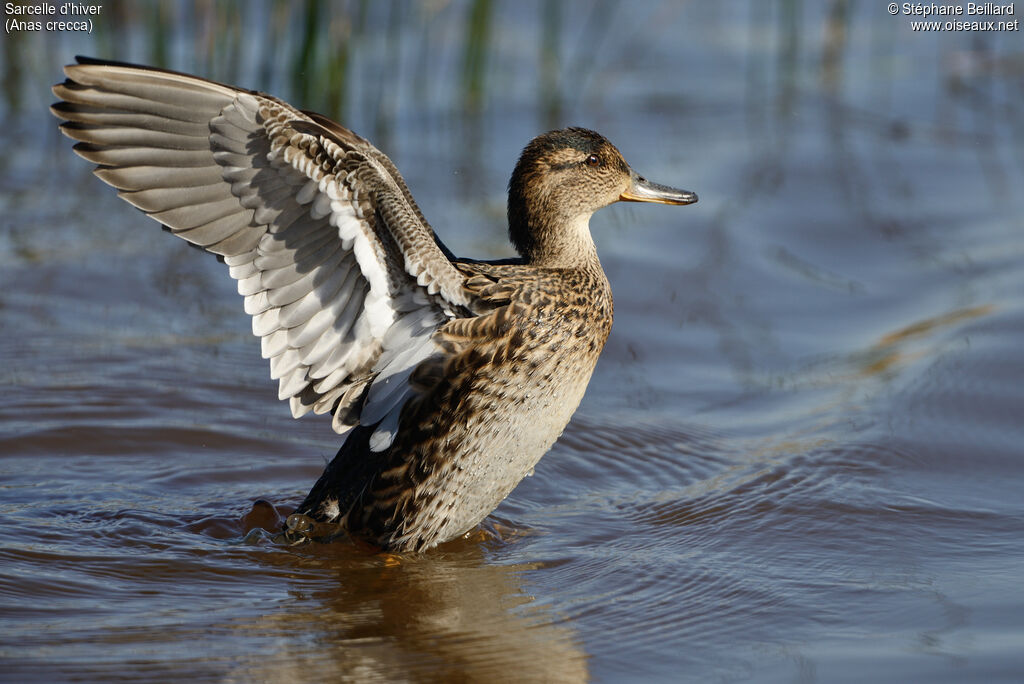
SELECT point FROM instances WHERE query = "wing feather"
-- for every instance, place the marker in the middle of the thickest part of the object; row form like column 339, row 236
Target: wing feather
column 133, row 137
column 133, row 178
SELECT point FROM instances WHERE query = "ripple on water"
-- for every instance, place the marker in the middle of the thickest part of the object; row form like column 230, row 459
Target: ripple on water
column 607, row 457
column 686, row 542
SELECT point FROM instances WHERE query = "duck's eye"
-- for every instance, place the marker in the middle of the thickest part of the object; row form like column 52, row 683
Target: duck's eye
column 592, row 160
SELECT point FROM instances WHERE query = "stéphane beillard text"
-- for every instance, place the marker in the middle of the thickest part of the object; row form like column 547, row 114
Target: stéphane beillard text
column 922, row 9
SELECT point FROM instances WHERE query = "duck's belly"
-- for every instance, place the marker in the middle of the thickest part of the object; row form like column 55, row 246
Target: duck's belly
column 505, row 440
column 492, row 428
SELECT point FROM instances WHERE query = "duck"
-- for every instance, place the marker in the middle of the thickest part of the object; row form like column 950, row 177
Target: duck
column 448, row 378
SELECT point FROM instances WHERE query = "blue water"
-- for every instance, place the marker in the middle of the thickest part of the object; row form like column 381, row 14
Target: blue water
column 799, row 459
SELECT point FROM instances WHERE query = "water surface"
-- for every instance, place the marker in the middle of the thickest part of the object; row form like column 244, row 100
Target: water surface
column 799, row 459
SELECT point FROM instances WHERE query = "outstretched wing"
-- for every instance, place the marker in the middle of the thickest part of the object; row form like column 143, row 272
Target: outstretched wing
column 343, row 277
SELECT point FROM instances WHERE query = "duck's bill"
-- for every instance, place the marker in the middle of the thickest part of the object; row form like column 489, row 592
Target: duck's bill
column 643, row 190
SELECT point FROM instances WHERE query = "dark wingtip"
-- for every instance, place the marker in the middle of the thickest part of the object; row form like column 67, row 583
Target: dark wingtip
column 83, row 59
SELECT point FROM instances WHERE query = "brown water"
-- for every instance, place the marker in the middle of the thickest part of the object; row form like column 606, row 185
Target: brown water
column 799, row 459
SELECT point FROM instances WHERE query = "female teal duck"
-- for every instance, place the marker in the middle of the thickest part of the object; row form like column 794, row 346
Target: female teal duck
column 450, row 377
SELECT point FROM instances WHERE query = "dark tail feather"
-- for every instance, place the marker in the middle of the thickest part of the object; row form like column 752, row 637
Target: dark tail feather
column 324, row 510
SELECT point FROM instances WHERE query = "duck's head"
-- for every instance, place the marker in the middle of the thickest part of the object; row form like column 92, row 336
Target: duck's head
column 561, row 179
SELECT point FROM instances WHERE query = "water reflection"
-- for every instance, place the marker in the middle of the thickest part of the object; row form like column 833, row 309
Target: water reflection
column 449, row 616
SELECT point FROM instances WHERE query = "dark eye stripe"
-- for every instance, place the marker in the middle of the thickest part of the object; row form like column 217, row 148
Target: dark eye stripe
column 591, row 160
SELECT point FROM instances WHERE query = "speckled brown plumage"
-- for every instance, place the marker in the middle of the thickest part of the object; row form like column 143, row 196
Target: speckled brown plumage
column 509, row 382
column 450, row 377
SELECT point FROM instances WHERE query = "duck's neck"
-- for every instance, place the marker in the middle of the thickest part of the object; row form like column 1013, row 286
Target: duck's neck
column 552, row 239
